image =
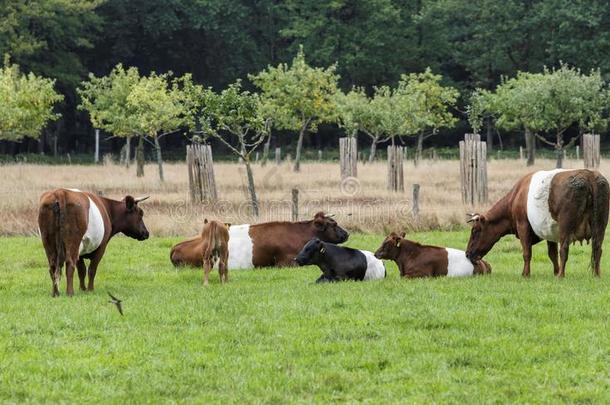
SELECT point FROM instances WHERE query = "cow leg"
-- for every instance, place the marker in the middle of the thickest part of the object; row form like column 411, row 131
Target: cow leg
column 552, row 251
column 207, row 268
column 70, row 277
column 82, row 273
column 55, row 275
column 224, row 271
column 95, row 261
column 526, row 245
column 563, row 256
column 597, row 255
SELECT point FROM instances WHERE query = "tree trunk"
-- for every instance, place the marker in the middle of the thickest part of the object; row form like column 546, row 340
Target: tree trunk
column 251, row 188
column 297, row 159
column 373, row 150
column 489, row 135
column 266, row 151
column 127, row 152
column 530, row 146
column 559, row 151
column 418, row 150
column 159, row 157
column 140, row 157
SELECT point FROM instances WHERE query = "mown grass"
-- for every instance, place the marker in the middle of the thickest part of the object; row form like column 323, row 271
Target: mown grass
column 273, row 336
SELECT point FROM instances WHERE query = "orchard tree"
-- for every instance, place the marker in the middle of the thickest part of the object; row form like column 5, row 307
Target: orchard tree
column 238, row 114
column 568, row 97
column 298, row 97
column 162, row 106
column 105, row 99
column 356, row 112
column 514, row 106
column 26, row 103
column 426, row 103
column 548, row 102
column 127, row 104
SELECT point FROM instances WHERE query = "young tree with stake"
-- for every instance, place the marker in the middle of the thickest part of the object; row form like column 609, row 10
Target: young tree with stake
column 237, row 113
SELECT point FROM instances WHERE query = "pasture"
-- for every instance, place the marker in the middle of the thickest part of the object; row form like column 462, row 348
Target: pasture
column 272, row 336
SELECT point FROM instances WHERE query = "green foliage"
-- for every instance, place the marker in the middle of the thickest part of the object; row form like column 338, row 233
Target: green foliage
column 298, row 96
column 233, row 110
column 273, row 336
column 426, row 102
column 127, row 104
column 26, row 103
column 549, row 102
column 106, row 100
column 49, row 37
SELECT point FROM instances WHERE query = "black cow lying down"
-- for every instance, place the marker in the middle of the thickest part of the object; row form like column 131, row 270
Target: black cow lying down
column 340, row 263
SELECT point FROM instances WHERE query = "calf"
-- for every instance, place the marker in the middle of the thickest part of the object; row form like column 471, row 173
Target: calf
column 266, row 244
column 215, row 238
column 340, row 263
column 416, row 260
column 76, row 225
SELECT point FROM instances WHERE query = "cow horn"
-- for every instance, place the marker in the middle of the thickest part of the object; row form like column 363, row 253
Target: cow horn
column 140, row 199
column 473, row 217
column 329, row 215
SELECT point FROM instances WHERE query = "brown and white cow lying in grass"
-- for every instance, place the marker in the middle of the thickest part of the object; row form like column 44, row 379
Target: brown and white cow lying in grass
column 266, row 244
column 417, row 260
column 215, row 238
column 76, row 225
column 559, row 206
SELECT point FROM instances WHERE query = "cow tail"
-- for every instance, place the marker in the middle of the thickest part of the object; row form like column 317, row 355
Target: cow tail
column 58, row 212
column 599, row 220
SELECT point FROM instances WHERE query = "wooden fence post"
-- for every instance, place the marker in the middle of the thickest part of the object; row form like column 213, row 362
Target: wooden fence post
column 202, row 183
column 577, row 152
column 319, row 155
column 473, row 169
column 395, row 169
column 295, row 204
column 520, row 152
column 348, row 157
column 96, row 156
column 415, row 208
column 278, row 156
column 590, row 151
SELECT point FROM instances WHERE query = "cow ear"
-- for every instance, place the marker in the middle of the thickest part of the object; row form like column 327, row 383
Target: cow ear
column 319, row 223
column 228, row 224
column 403, row 234
column 205, row 221
column 130, row 203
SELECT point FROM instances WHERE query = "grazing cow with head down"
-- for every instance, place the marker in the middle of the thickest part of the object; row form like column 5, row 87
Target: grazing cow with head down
column 215, row 238
column 266, row 244
column 340, row 263
column 76, row 225
column 559, row 206
column 416, row 260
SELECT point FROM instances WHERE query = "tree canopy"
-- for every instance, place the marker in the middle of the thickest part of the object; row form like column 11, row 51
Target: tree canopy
column 26, row 103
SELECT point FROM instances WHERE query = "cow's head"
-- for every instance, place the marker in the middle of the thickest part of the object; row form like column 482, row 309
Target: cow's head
column 390, row 247
column 311, row 252
column 483, row 236
column 131, row 221
column 327, row 229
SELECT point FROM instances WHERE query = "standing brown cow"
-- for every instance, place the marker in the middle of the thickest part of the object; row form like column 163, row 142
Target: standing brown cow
column 215, row 238
column 266, row 244
column 77, row 225
column 559, row 206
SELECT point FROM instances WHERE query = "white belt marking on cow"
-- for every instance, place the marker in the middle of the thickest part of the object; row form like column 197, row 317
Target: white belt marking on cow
column 375, row 269
column 240, row 247
column 538, row 211
column 458, row 264
column 92, row 239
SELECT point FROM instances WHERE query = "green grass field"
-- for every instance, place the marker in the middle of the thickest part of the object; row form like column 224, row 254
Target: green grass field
column 273, row 336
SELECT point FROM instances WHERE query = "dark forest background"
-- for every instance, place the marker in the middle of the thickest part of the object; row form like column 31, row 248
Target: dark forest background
column 472, row 43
